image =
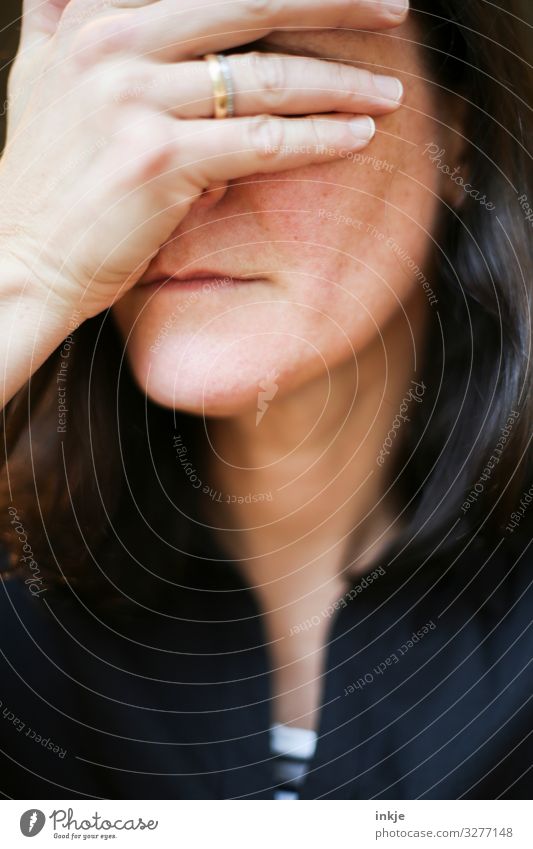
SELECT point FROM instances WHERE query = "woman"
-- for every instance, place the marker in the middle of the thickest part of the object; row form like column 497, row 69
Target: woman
column 262, row 524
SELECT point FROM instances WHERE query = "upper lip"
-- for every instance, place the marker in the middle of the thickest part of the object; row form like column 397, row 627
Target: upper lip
column 205, row 274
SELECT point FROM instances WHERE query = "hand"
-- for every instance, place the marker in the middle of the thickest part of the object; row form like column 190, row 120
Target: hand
column 111, row 136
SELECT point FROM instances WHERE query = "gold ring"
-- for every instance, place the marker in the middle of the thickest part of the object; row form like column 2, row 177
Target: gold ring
column 220, row 74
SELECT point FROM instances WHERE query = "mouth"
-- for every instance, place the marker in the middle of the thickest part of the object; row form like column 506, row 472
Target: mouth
column 206, row 280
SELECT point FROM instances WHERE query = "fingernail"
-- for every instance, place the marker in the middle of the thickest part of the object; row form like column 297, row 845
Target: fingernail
column 363, row 128
column 389, row 87
column 397, row 8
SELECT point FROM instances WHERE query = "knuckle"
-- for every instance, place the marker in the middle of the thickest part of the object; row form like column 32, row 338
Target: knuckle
column 262, row 8
column 316, row 134
column 266, row 136
column 122, row 86
column 342, row 79
column 101, row 37
column 270, row 76
column 363, row 81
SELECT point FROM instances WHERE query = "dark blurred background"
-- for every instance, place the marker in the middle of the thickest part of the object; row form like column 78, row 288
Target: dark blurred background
column 11, row 10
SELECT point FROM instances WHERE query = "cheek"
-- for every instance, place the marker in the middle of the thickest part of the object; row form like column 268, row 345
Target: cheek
column 354, row 237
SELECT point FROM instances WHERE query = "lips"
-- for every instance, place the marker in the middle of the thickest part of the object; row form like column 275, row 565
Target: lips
column 206, row 275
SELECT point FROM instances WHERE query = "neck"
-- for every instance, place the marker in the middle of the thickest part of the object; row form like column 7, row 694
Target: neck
column 304, row 484
column 313, row 460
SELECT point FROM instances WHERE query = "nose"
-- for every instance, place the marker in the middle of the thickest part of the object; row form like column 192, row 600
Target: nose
column 212, row 195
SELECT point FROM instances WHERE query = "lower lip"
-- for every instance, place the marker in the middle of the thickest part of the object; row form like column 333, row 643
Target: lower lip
column 206, row 284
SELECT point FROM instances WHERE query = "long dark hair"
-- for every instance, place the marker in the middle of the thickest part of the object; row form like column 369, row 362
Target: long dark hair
column 104, row 505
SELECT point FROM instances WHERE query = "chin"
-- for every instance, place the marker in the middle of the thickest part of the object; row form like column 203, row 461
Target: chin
column 212, row 379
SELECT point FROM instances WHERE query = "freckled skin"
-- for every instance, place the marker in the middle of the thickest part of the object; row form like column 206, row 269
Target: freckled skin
column 331, row 287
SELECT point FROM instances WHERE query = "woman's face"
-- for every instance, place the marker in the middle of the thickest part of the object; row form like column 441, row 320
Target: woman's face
column 332, row 253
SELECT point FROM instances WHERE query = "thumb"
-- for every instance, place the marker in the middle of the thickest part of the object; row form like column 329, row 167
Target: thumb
column 40, row 19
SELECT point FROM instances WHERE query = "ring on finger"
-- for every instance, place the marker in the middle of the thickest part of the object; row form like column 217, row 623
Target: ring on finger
column 223, row 89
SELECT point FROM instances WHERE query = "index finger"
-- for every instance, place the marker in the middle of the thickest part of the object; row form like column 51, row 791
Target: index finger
column 182, row 29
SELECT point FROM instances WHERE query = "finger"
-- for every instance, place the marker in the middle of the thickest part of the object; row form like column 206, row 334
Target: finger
column 265, row 144
column 281, row 85
column 177, row 30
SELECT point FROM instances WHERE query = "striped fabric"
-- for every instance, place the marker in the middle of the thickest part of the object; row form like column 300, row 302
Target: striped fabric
column 294, row 749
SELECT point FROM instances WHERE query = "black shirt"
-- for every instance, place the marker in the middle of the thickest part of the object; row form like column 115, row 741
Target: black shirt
column 427, row 691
